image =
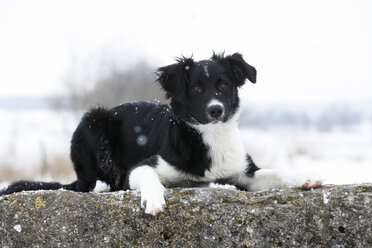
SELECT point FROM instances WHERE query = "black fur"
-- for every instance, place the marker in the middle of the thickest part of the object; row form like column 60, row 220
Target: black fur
column 26, row 185
column 108, row 144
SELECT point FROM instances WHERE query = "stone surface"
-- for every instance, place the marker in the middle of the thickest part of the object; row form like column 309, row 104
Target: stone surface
column 332, row 216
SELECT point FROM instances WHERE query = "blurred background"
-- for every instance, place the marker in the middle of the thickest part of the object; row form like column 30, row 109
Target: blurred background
column 310, row 109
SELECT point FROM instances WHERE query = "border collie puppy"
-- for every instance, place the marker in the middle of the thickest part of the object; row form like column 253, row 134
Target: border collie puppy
column 195, row 139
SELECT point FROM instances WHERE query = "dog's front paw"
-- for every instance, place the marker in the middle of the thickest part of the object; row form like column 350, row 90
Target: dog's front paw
column 311, row 184
column 153, row 201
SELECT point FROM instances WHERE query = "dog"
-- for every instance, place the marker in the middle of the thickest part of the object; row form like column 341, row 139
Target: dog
column 194, row 139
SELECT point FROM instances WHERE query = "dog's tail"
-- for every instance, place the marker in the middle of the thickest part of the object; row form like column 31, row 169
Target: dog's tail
column 31, row 185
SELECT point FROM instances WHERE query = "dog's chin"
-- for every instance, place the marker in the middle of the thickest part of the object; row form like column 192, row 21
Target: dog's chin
column 215, row 121
column 206, row 121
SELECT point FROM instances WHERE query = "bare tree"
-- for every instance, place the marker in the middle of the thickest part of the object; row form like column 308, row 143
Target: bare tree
column 112, row 87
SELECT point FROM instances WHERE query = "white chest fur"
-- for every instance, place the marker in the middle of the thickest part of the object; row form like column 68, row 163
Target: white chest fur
column 226, row 151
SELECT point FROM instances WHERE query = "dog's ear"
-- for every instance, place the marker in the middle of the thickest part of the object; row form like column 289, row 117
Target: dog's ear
column 173, row 78
column 239, row 69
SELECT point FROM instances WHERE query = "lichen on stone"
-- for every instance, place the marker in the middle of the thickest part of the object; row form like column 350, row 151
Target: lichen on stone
column 39, row 203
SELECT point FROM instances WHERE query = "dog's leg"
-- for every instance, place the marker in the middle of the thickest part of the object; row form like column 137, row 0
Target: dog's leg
column 145, row 180
column 272, row 179
column 259, row 179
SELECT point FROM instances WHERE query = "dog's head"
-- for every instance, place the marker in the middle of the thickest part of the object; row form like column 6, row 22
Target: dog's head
column 206, row 91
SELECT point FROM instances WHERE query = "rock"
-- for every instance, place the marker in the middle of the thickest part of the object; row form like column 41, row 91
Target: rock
column 332, row 216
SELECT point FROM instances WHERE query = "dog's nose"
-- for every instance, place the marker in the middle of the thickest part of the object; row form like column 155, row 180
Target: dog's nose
column 215, row 111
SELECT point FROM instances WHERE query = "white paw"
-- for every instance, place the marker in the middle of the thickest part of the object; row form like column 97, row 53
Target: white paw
column 312, row 184
column 101, row 187
column 153, row 200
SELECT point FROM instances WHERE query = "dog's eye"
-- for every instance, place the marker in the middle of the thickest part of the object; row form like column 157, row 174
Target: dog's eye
column 196, row 88
column 222, row 87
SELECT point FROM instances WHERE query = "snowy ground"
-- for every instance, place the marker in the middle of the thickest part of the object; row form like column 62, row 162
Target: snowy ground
column 30, row 138
column 28, row 135
column 337, row 157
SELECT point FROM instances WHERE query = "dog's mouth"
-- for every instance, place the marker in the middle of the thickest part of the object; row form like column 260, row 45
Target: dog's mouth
column 199, row 121
column 215, row 120
column 206, row 119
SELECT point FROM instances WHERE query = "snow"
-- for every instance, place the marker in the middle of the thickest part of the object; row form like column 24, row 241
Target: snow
column 27, row 136
column 221, row 186
column 325, row 198
column 337, row 157
column 142, row 140
column 137, row 129
column 18, row 228
column 3, row 185
column 249, row 229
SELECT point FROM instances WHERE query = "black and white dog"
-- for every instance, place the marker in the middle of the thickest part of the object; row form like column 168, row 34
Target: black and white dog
column 195, row 139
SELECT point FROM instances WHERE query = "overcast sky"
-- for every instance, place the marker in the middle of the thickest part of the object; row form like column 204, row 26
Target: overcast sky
column 303, row 50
